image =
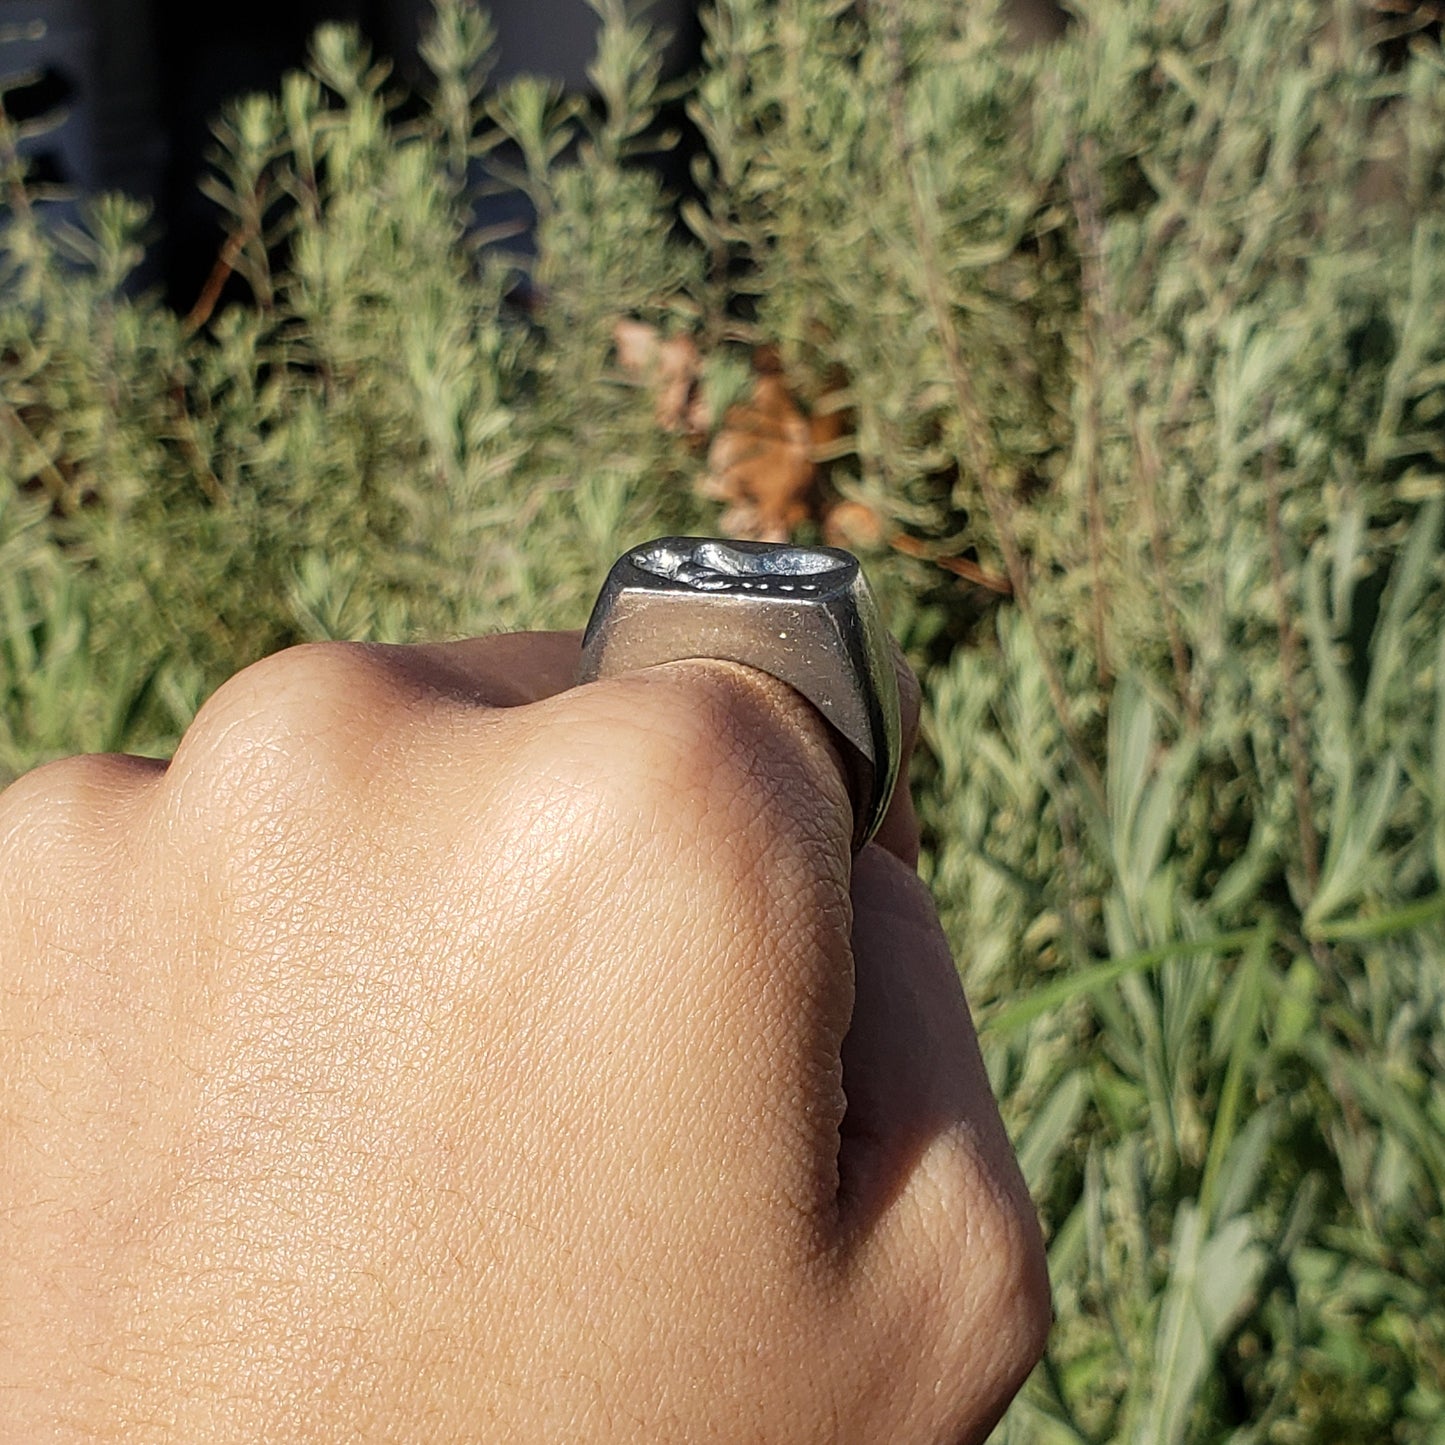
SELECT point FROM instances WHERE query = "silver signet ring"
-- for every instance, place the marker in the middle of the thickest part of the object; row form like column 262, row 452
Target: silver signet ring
column 804, row 615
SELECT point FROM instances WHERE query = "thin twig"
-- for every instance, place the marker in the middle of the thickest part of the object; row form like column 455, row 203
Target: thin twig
column 13, row 167
column 56, row 487
column 1092, row 424
column 1150, row 471
column 221, row 272
column 207, row 480
column 963, row 567
column 1084, row 189
column 975, row 431
column 1289, row 664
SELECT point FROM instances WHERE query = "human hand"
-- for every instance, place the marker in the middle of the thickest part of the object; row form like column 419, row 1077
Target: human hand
column 431, row 1051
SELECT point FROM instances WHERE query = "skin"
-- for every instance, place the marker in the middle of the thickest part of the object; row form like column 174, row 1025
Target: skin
column 435, row 1051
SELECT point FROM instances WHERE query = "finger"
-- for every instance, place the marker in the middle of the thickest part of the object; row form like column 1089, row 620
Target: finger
column 929, row 1184
column 912, row 1069
column 715, row 827
column 349, row 690
column 737, row 784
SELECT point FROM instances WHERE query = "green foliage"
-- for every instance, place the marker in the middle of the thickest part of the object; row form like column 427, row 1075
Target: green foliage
column 370, row 446
column 1155, row 317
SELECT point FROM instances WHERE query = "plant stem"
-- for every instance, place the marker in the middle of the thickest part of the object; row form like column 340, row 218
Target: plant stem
column 1084, row 189
column 56, row 487
column 200, row 313
column 974, row 426
column 1289, row 666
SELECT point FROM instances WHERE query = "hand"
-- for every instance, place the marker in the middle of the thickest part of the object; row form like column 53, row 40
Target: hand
column 433, row 1052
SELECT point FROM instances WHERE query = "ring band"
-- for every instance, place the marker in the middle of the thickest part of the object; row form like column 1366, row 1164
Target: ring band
column 804, row 615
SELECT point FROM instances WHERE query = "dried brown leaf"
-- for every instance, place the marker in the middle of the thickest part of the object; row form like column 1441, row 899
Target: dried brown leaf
column 670, row 369
column 761, row 463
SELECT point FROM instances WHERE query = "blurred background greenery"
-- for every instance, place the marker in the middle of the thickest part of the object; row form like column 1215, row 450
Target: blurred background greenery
column 1121, row 359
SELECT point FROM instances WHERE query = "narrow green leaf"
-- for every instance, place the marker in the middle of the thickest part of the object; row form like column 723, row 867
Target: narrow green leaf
column 1100, row 976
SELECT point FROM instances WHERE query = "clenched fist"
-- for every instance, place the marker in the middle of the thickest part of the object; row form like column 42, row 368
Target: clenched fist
column 432, row 1051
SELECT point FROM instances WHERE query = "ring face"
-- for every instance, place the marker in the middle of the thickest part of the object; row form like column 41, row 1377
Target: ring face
column 719, row 567
column 804, row 615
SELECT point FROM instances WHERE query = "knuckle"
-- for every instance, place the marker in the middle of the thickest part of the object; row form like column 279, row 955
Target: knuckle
column 287, row 690
column 59, row 813
column 292, row 719
column 968, row 1266
column 988, row 1249
column 727, row 753
column 1014, row 1288
column 955, row 1304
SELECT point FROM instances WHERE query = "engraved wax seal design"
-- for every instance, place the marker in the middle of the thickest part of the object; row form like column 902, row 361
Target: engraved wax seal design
column 715, row 567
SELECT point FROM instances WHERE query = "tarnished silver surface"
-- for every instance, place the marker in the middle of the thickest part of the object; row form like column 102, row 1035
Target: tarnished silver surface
column 804, row 615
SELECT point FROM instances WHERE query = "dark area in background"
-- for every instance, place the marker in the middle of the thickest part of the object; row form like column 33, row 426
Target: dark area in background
column 204, row 56
column 139, row 83
column 142, row 80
